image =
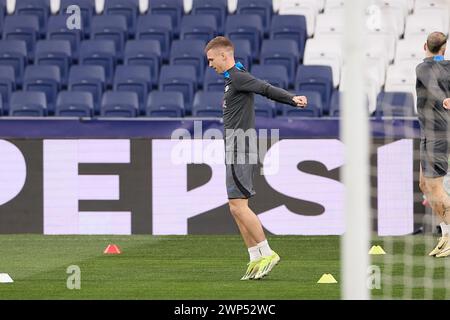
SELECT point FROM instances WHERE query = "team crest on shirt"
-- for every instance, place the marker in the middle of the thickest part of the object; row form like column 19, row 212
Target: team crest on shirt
column 224, row 104
column 226, row 88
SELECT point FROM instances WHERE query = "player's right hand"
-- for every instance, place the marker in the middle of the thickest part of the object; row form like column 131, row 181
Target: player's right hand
column 447, row 103
column 300, row 101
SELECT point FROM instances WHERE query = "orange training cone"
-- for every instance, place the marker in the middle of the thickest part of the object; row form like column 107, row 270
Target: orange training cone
column 112, row 249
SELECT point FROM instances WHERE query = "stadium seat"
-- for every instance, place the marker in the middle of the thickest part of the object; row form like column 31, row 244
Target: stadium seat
column 38, row 8
column 156, row 27
column 318, row 5
column 298, row 7
column 172, row 8
column 333, row 4
column 57, row 30
column 190, row 53
column 126, row 8
column 87, row 8
column 165, row 104
column 101, row 53
column 335, row 104
column 381, row 39
column 144, row 53
column 263, row 8
column 119, row 104
column 247, row 27
column 325, row 50
column 313, row 110
column 89, row 79
column 7, row 84
column 14, row 53
column 274, row 74
column 181, row 79
column 110, row 28
column 292, row 27
column 22, row 28
column 411, row 48
column 281, row 52
column 264, row 107
column 329, row 24
column 45, row 79
column 318, row 79
column 134, row 79
column 2, row 109
column 208, row 104
column 426, row 22
column 198, row 27
column 213, row 81
column 56, row 53
column 74, row 104
column 400, row 74
column 243, row 52
column 28, row 104
column 395, row 104
column 218, row 8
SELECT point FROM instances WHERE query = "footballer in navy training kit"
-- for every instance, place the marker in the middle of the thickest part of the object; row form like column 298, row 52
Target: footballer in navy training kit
column 241, row 158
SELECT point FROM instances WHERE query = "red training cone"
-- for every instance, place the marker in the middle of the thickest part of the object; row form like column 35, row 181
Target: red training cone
column 112, row 249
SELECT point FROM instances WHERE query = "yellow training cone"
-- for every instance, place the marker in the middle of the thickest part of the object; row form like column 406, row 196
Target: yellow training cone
column 327, row 278
column 376, row 250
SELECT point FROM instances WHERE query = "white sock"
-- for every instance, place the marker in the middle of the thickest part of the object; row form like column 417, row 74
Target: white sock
column 264, row 248
column 445, row 228
column 254, row 253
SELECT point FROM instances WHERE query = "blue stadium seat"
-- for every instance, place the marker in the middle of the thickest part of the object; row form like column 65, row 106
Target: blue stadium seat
column 24, row 28
column 101, row 53
column 213, row 81
column 119, row 104
column 264, row 107
column 218, row 8
column 45, row 79
column 165, row 104
column 336, row 102
column 7, row 84
column 246, row 26
column 2, row 110
column 208, row 104
column 28, row 104
column 243, row 52
column 191, row 53
column 2, row 15
column 313, row 110
column 89, row 79
column 57, row 30
column 292, row 27
column 198, row 27
column 316, row 78
column 263, row 8
column 134, row 79
column 274, row 74
column 38, row 8
column 127, row 8
column 395, row 104
column 87, row 8
column 181, row 79
column 156, row 27
column 172, row 8
column 281, row 52
column 144, row 53
column 110, row 28
column 74, row 104
column 14, row 53
column 55, row 53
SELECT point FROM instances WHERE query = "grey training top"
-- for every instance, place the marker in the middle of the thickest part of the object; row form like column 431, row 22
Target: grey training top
column 239, row 109
column 433, row 87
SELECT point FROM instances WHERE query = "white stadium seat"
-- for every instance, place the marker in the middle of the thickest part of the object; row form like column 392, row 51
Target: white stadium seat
column 297, row 7
column 424, row 23
column 328, row 24
column 411, row 48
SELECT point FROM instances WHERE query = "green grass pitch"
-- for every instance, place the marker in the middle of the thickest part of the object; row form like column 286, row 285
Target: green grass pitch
column 166, row 267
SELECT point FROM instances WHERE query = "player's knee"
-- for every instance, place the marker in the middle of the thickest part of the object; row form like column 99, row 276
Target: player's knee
column 235, row 209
